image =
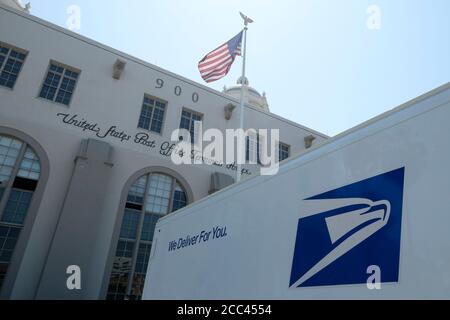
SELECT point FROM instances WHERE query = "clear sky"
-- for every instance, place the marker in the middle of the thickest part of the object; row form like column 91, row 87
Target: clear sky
column 317, row 60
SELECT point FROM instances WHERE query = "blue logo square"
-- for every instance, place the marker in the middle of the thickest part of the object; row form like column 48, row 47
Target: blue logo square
column 346, row 230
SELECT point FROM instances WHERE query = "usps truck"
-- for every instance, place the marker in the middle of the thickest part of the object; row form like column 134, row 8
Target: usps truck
column 365, row 215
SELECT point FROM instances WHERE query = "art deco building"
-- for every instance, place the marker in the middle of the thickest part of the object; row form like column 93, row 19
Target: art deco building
column 85, row 166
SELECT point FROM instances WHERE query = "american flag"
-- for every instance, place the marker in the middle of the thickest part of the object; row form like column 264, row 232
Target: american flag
column 216, row 64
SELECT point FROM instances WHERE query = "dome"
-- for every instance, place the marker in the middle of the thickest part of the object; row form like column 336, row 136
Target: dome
column 251, row 95
column 17, row 4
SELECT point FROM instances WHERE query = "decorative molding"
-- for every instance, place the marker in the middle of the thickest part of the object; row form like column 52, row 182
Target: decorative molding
column 118, row 68
column 229, row 108
column 220, row 181
column 309, row 141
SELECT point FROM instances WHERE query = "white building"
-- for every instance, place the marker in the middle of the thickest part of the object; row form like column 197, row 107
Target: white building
column 85, row 167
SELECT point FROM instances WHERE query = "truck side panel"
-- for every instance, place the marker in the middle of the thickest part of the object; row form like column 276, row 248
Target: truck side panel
column 377, row 197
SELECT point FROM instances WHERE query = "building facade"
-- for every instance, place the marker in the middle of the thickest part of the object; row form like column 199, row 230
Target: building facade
column 85, row 158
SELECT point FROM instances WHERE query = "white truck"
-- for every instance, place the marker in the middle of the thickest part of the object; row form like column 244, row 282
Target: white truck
column 365, row 215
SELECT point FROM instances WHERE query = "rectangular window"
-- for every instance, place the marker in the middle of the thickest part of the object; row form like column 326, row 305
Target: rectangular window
column 30, row 167
column 142, row 258
column 3, row 271
column 253, row 148
column 152, row 114
column 158, row 198
column 141, row 270
column 137, row 191
column 8, row 240
column 283, row 151
column 130, row 224
column 121, row 270
column 148, row 228
column 188, row 122
column 125, row 250
column 179, row 199
column 11, row 61
column 59, row 84
column 17, row 207
column 9, row 151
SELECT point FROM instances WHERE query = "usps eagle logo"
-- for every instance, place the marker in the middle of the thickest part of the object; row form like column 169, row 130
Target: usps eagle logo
column 343, row 231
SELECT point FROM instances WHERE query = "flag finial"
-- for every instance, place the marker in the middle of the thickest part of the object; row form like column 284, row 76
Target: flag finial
column 247, row 19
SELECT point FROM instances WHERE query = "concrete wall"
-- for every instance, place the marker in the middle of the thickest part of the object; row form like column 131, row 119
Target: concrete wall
column 101, row 100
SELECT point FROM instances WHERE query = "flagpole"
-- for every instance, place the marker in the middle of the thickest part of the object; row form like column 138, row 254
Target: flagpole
column 247, row 20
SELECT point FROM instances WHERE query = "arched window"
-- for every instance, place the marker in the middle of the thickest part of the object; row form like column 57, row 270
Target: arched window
column 149, row 198
column 20, row 170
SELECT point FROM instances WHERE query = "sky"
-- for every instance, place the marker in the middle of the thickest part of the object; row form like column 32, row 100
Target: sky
column 326, row 64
